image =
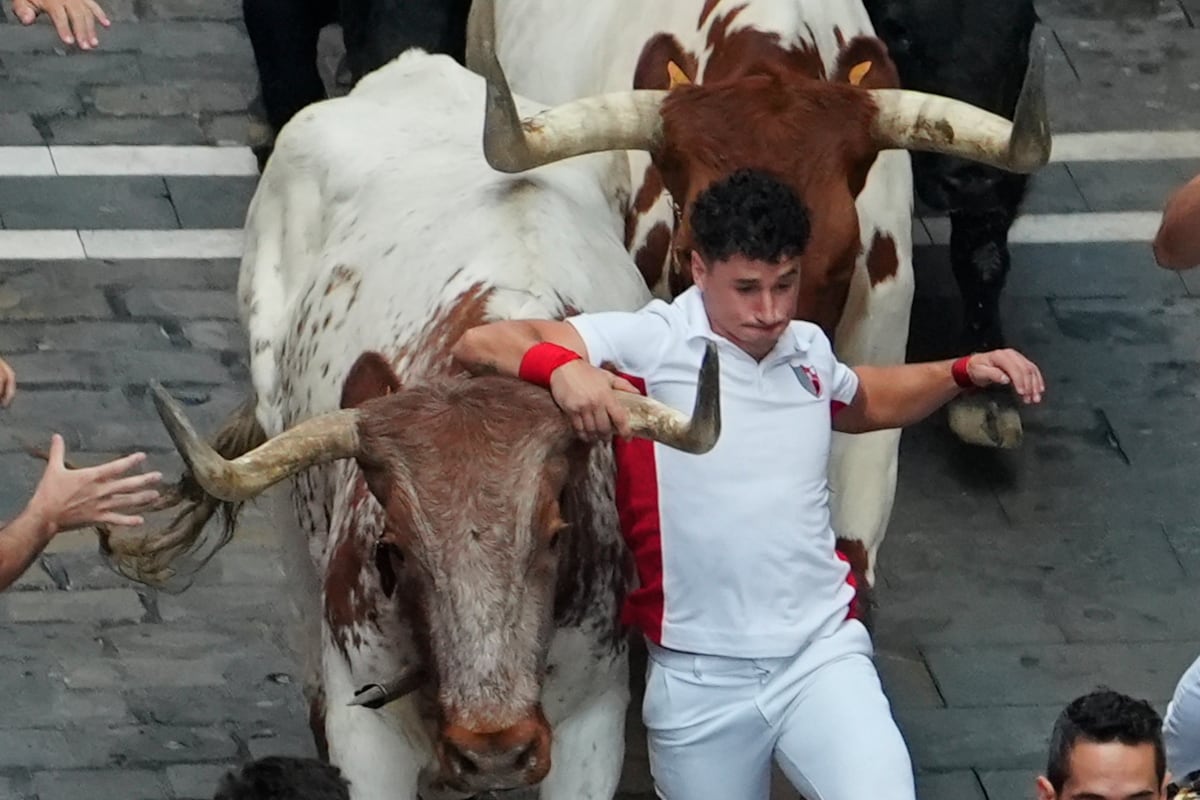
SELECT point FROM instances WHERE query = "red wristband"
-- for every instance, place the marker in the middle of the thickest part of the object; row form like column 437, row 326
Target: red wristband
column 540, row 361
column 959, row 370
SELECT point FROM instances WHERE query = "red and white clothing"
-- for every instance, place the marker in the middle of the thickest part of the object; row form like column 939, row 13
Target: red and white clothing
column 734, row 548
column 742, row 596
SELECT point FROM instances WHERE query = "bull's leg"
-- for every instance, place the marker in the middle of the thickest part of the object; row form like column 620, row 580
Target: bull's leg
column 375, row 753
column 588, row 749
column 980, row 259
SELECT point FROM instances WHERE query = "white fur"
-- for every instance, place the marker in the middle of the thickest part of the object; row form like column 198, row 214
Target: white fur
column 376, row 212
column 556, row 51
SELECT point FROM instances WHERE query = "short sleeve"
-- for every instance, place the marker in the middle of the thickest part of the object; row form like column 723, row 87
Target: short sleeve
column 633, row 342
column 845, row 384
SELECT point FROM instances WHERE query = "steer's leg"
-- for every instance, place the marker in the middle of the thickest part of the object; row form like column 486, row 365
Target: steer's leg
column 376, row 754
column 588, row 749
column 980, row 259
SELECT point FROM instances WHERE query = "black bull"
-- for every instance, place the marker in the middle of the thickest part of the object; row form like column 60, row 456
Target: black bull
column 977, row 51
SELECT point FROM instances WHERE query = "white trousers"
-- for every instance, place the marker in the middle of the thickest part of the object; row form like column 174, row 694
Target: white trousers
column 714, row 723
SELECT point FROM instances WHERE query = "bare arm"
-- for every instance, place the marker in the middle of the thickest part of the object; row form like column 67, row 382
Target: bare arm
column 584, row 392
column 900, row 395
column 1177, row 244
column 66, row 499
column 498, row 347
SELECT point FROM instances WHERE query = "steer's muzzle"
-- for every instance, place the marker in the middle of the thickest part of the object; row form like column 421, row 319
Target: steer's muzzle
column 506, row 759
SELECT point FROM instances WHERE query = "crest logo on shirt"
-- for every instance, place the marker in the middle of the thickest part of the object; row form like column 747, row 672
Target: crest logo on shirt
column 808, row 379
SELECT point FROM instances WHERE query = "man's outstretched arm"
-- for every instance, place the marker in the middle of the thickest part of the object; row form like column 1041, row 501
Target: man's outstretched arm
column 903, row 394
column 552, row 354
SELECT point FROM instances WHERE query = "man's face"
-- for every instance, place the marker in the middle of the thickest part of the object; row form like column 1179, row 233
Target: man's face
column 749, row 302
column 1110, row 771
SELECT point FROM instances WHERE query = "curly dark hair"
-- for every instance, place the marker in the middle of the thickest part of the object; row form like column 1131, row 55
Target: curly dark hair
column 284, row 778
column 1103, row 716
column 749, row 213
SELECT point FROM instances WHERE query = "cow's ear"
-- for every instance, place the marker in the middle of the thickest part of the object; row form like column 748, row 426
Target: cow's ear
column 880, row 72
column 654, row 66
column 370, row 377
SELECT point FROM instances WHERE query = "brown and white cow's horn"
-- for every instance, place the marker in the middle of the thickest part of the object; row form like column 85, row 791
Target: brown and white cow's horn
column 917, row 121
column 618, row 121
column 697, row 434
column 315, row 441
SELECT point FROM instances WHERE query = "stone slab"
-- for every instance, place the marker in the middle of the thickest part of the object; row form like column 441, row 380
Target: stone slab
column 100, row 130
column 95, row 784
column 950, row 739
column 86, row 202
column 172, row 304
column 74, row 67
column 1046, row 674
column 196, row 780
column 1014, row 784
column 1052, row 190
column 39, row 98
column 100, row 369
column 957, row 785
column 17, row 129
column 212, row 202
column 1132, row 185
column 179, row 97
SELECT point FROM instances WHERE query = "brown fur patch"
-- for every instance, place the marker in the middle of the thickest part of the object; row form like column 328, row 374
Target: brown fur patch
column 316, row 724
column 371, row 376
column 882, row 74
column 709, row 5
column 652, row 256
column 882, row 261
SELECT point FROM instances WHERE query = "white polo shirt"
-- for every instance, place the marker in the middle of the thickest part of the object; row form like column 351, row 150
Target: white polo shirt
column 734, row 548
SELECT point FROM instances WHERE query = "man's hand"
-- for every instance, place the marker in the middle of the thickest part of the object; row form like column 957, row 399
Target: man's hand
column 75, row 20
column 75, row 498
column 586, row 394
column 1008, row 367
column 8, row 383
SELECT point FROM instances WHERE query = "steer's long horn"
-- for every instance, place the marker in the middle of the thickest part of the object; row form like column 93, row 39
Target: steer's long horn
column 698, row 434
column 315, row 441
column 618, row 121
column 917, row 121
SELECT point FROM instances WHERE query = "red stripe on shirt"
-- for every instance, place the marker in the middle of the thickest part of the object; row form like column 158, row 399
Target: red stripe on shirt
column 637, row 505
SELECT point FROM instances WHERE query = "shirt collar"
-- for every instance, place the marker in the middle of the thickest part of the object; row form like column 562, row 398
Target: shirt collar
column 795, row 341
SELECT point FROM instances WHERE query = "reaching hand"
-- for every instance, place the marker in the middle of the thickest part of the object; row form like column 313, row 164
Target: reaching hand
column 75, row 20
column 1008, row 367
column 8, row 383
column 75, row 498
column 586, row 394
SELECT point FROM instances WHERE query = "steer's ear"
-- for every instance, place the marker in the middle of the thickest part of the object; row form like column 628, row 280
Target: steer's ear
column 879, row 72
column 370, row 377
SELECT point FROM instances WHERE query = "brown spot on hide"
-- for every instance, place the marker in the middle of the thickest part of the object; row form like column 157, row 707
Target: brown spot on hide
column 652, row 256
column 316, row 724
column 882, row 261
column 428, row 353
column 709, row 5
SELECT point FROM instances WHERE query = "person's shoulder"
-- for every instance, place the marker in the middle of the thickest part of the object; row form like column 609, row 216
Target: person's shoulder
column 809, row 336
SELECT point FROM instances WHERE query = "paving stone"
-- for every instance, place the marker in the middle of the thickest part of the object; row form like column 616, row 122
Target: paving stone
column 79, row 748
column 110, row 784
column 958, row 785
column 1133, row 185
column 204, row 202
column 196, row 780
column 37, row 336
column 38, row 38
column 145, row 672
column 102, row 604
column 94, row 129
column 1052, row 190
column 87, row 202
column 1009, row 784
column 75, row 277
column 906, row 679
column 242, row 706
column 958, row 739
column 194, row 97
column 1149, row 614
column 39, row 98
column 36, row 698
column 16, row 128
column 230, row 10
column 1185, row 541
column 71, row 410
column 124, row 11
column 74, row 67
column 271, row 742
column 190, row 303
column 248, row 129
column 1046, row 674
column 215, row 335
column 175, row 39
column 100, row 369
column 239, row 69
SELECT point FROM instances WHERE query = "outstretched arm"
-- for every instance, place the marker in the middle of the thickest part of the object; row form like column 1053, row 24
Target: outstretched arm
column 584, row 392
column 900, row 395
column 66, row 499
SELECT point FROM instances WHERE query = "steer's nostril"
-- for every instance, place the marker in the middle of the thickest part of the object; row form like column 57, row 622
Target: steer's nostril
column 461, row 763
column 527, row 758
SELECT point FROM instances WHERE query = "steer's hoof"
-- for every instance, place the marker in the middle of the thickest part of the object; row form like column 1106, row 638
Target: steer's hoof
column 987, row 419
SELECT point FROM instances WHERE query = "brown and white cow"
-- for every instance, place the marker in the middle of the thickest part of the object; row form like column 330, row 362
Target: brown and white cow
column 466, row 546
column 801, row 89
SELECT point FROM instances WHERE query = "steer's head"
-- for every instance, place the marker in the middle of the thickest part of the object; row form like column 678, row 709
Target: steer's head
column 819, row 136
column 474, row 478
